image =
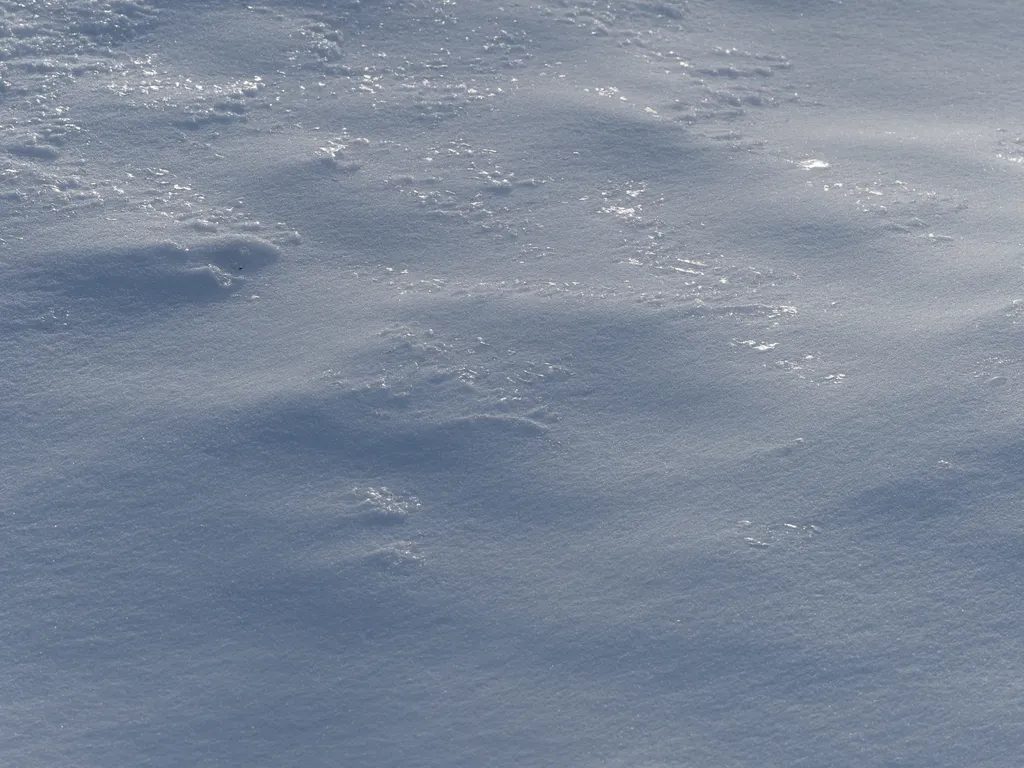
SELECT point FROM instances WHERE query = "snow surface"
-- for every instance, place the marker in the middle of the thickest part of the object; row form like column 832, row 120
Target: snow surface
column 430, row 383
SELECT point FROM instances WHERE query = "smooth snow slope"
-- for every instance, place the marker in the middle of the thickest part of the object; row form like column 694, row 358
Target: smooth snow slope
column 431, row 383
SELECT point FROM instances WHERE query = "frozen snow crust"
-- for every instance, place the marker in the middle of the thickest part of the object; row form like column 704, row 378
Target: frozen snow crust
column 457, row 384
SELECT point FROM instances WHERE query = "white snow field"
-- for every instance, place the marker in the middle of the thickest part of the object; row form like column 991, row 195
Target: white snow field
column 419, row 383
